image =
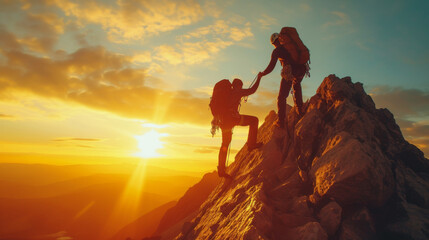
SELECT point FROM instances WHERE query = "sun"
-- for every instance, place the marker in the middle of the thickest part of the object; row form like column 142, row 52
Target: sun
column 149, row 143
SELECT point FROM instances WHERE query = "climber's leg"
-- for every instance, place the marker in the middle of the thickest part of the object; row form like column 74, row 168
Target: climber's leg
column 253, row 123
column 285, row 87
column 223, row 151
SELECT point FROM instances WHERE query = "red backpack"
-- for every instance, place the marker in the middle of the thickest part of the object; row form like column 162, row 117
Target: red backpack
column 290, row 40
column 219, row 103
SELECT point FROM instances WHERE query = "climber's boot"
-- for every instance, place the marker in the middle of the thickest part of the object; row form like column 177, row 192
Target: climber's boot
column 221, row 171
column 279, row 123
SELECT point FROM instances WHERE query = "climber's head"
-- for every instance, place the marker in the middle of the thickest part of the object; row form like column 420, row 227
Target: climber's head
column 274, row 39
column 237, row 84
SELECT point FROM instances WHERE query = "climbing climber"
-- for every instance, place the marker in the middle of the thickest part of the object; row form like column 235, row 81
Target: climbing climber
column 294, row 58
column 224, row 104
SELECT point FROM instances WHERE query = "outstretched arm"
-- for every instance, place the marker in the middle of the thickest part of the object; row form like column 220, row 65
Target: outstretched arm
column 272, row 63
column 252, row 90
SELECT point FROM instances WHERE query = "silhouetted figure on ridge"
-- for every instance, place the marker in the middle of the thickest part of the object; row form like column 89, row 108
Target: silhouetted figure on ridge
column 294, row 57
column 225, row 103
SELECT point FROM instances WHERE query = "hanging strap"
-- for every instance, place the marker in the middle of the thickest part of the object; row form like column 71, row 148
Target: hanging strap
column 227, row 156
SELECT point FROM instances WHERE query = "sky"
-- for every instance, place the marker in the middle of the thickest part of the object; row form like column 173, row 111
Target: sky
column 104, row 81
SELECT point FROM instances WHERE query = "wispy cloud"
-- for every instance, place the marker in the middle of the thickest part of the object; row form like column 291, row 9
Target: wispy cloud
column 133, row 20
column 2, row 115
column 417, row 133
column 142, row 57
column 362, row 45
column 232, row 30
column 406, row 105
column 8, row 40
column 402, row 102
column 339, row 19
column 168, row 54
column 266, row 21
column 77, row 139
column 41, row 31
column 203, row 43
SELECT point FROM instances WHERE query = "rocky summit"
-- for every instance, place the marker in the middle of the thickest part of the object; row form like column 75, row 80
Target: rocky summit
column 340, row 171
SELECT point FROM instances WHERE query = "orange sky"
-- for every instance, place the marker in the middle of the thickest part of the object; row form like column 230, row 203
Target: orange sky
column 91, row 78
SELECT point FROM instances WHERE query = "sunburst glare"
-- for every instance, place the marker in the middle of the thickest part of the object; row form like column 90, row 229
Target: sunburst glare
column 149, row 144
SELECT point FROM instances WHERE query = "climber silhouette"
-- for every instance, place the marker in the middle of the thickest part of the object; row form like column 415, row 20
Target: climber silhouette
column 292, row 74
column 228, row 116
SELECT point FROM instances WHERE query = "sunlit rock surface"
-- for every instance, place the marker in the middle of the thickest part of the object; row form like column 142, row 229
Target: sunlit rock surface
column 364, row 181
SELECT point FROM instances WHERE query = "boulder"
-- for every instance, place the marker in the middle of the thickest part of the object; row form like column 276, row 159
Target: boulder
column 310, row 231
column 330, row 217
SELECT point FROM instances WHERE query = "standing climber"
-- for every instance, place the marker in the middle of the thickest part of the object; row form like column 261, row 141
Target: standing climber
column 294, row 57
column 225, row 103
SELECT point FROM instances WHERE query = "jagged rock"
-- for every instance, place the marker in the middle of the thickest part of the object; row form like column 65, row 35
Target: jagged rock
column 292, row 220
column 330, row 217
column 189, row 203
column 416, row 189
column 406, row 221
column 300, row 207
column 358, row 226
column 310, row 231
column 350, row 167
column 360, row 170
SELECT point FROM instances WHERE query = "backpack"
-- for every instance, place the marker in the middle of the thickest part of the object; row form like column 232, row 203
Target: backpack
column 290, row 40
column 219, row 103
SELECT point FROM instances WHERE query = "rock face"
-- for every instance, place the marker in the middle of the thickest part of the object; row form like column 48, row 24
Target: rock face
column 364, row 181
column 187, row 206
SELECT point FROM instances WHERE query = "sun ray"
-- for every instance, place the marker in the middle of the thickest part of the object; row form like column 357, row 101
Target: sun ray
column 126, row 209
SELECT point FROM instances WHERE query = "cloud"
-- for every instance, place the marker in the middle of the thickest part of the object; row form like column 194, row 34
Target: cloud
column 238, row 34
column 211, row 8
column 417, row 130
column 168, row 54
column 422, row 144
column 43, row 24
column 402, row 102
column 41, row 31
column 8, row 40
column 266, row 21
column 133, row 20
column 340, row 19
column 8, row 5
column 142, row 57
column 203, row 43
column 2, row 115
column 190, row 53
column 222, row 29
column 407, row 104
column 103, row 80
column 76, row 139
column 84, row 146
column 417, row 133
